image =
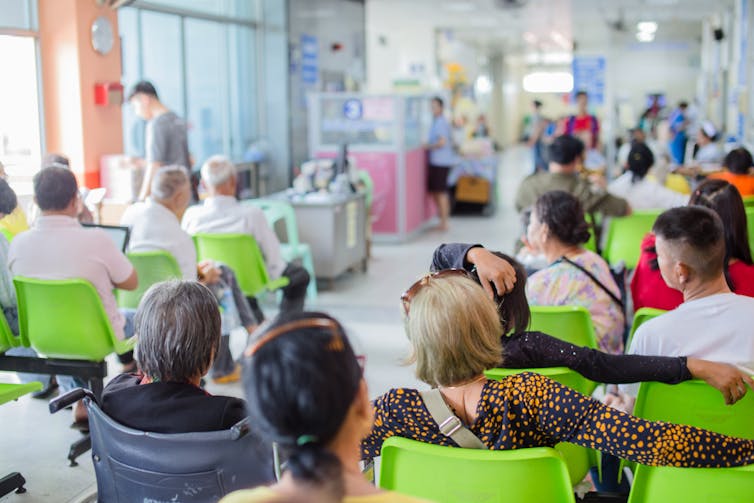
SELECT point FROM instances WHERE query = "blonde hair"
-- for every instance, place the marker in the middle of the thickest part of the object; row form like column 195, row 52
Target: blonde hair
column 454, row 330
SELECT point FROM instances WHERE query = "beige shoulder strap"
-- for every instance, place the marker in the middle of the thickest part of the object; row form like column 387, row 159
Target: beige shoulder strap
column 450, row 425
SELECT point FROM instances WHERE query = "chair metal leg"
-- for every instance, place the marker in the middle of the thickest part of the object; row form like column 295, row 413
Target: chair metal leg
column 78, row 448
column 12, row 482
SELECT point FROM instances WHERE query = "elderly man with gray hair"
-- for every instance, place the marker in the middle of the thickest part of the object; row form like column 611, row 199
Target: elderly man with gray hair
column 156, row 225
column 222, row 213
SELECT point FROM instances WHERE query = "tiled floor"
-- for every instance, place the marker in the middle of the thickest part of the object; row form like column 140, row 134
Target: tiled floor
column 35, row 443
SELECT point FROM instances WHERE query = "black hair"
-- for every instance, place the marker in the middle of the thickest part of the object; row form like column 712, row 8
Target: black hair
column 513, row 307
column 683, row 104
column 565, row 149
column 701, row 230
column 439, row 101
column 537, row 103
column 724, row 199
column 54, row 188
column 640, row 159
column 582, row 93
column 299, row 387
column 8, row 199
column 52, row 159
column 564, row 216
column 143, row 87
column 738, row 161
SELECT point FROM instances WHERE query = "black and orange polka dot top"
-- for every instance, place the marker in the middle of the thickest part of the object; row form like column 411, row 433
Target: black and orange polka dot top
column 530, row 410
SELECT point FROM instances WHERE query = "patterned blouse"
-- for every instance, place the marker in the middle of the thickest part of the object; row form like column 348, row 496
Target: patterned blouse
column 562, row 284
column 530, row 410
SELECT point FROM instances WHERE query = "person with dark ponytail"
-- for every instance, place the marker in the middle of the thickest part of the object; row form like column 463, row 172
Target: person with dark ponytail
column 306, row 392
column 575, row 276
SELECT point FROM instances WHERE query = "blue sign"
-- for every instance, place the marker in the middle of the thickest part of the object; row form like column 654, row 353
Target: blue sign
column 353, row 109
column 309, row 59
column 589, row 76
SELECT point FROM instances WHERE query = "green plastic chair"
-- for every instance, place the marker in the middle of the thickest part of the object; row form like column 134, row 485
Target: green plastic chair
column 8, row 234
column 65, row 319
column 151, row 267
column 454, row 475
column 578, row 459
column 624, row 236
column 591, row 245
column 640, row 316
column 275, row 211
column 750, row 226
column 748, row 201
column 569, row 323
column 696, row 403
column 693, row 485
column 14, row 481
column 7, row 339
column 241, row 253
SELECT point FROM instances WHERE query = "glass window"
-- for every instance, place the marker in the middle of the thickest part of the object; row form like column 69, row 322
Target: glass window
column 207, row 88
column 20, row 137
column 243, row 90
column 242, row 9
column 133, row 127
column 162, row 59
column 19, row 14
column 274, row 13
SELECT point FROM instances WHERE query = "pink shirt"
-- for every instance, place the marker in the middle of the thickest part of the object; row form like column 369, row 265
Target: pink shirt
column 58, row 247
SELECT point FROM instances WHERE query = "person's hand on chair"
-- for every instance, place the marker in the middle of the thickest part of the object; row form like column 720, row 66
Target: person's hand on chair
column 728, row 379
column 208, row 272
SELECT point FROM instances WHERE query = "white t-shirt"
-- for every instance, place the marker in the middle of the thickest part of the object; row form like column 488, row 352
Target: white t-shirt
column 58, row 247
column 709, row 157
column 718, row 328
column 154, row 227
column 224, row 214
column 645, row 194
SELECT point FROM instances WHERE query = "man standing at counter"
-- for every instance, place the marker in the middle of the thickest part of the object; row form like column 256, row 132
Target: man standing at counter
column 166, row 137
column 441, row 159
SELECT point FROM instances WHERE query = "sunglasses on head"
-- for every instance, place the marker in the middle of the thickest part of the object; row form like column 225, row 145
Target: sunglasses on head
column 335, row 344
column 409, row 294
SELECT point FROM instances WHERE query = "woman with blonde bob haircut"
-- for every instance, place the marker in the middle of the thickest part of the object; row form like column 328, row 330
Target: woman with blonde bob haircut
column 454, row 330
column 436, row 333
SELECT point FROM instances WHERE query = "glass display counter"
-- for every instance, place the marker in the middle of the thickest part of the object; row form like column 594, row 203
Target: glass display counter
column 384, row 134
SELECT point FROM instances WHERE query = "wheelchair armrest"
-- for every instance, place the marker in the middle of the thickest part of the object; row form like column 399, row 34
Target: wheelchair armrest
column 70, row 398
column 241, row 428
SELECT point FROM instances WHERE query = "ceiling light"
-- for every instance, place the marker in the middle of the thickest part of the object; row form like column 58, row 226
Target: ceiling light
column 644, row 36
column 548, row 82
column 647, row 26
column 483, row 84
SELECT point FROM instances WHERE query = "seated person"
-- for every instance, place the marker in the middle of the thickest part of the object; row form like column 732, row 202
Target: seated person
column 650, row 290
column 737, row 170
column 454, row 331
column 13, row 221
column 564, row 154
column 222, row 213
column 317, row 416
column 155, row 225
column 58, row 247
column 708, row 155
column 179, row 331
column 641, row 192
column 525, row 349
column 575, row 276
column 83, row 214
column 691, row 254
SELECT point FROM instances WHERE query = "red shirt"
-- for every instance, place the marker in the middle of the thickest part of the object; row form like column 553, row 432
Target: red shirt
column 648, row 289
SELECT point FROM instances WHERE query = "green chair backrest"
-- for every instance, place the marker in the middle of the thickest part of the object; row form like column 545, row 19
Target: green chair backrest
column 563, row 375
column 151, row 267
column 8, row 234
column 366, row 180
column 624, row 236
column 750, row 226
column 65, row 319
column 696, row 403
column 748, row 201
column 275, row 211
column 692, row 485
column 569, row 323
column 591, row 245
column 241, row 253
column 454, row 475
column 640, row 316
column 7, row 339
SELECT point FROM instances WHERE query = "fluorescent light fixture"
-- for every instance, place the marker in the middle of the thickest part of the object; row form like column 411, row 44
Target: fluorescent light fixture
column 548, row 82
column 483, row 84
column 557, row 58
column 646, row 26
column 645, row 36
